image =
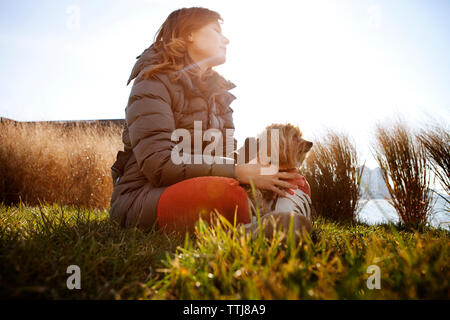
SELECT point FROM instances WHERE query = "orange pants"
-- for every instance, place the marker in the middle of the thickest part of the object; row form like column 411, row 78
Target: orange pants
column 181, row 204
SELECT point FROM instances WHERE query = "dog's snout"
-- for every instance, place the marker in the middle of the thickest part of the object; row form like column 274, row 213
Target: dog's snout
column 309, row 145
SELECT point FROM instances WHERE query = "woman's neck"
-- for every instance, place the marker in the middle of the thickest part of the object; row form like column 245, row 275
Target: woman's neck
column 201, row 66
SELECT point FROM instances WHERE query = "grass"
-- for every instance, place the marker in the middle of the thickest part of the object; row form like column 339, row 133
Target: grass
column 436, row 140
column 404, row 168
column 60, row 180
column 38, row 243
column 333, row 171
column 57, row 164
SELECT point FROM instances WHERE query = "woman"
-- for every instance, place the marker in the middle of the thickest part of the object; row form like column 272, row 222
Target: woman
column 175, row 85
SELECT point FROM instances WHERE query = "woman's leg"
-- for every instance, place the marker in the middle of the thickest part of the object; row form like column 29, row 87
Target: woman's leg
column 181, row 204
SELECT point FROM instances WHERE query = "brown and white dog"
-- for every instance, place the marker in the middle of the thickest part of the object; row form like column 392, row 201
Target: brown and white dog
column 292, row 151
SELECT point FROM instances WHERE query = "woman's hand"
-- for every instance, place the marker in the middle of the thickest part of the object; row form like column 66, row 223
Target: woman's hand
column 246, row 172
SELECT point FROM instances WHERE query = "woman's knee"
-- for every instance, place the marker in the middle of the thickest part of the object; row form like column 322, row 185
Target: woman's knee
column 210, row 188
column 183, row 202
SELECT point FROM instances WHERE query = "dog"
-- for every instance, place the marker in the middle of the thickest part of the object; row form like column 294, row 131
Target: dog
column 276, row 211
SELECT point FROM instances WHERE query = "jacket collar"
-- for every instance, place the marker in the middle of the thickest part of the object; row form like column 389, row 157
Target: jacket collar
column 148, row 59
column 212, row 89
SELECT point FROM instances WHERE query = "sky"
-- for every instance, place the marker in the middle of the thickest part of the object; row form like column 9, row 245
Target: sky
column 320, row 64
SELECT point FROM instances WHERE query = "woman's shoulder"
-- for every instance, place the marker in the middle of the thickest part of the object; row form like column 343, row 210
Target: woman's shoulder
column 154, row 76
column 157, row 83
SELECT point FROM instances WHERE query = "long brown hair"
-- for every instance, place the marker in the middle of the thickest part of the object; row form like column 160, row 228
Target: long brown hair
column 170, row 45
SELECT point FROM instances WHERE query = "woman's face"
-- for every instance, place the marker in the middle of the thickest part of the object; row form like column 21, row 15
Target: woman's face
column 207, row 46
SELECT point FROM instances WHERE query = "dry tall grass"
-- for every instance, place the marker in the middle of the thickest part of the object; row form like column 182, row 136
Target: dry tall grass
column 56, row 164
column 436, row 141
column 334, row 174
column 403, row 164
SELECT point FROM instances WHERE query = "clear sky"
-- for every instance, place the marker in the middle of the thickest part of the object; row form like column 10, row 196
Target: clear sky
column 317, row 63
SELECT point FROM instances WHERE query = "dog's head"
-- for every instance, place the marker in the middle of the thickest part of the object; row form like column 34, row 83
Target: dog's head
column 292, row 148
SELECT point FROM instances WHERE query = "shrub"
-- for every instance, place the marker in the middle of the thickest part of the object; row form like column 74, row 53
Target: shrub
column 403, row 164
column 57, row 164
column 436, row 141
column 334, row 174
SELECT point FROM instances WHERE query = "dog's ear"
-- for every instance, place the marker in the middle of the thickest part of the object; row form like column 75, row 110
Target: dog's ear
column 307, row 145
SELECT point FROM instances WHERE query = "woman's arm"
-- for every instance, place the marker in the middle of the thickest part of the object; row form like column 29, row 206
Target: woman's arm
column 246, row 172
column 150, row 123
column 274, row 182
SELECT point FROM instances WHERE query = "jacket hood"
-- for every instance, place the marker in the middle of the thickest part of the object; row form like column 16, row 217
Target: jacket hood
column 145, row 59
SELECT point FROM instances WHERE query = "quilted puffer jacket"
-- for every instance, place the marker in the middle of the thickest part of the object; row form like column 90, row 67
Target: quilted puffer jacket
column 156, row 107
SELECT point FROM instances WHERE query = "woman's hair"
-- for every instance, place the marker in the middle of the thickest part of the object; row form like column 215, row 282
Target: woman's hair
column 170, row 44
